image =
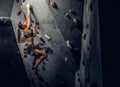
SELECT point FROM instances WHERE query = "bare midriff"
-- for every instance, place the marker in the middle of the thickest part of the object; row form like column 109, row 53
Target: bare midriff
column 30, row 39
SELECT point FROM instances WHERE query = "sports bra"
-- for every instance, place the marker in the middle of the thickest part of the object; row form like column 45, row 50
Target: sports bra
column 28, row 35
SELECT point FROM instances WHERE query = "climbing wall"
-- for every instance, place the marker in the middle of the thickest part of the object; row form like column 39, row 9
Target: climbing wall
column 74, row 21
column 59, row 68
column 90, row 74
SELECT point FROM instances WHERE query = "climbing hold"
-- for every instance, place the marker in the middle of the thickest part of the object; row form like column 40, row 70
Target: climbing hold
column 17, row 1
column 84, row 35
column 42, row 39
column 68, row 44
column 23, row 0
column 88, row 47
column 53, row 4
column 37, row 26
column 91, row 6
column 43, row 68
column 46, row 49
column 83, row 62
column 19, row 12
column 25, row 56
column 87, row 26
column 66, row 59
column 3, row 20
column 48, row 37
column 66, row 14
column 32, row 20
column 72, row 12
column 22, row 7
column 44, row 63
column 25, row 17
column 75, row 20
column 31, row 8
column 36, row 32
column 36, row 22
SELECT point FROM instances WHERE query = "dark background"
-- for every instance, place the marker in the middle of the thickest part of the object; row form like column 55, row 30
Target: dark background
column 109, row 29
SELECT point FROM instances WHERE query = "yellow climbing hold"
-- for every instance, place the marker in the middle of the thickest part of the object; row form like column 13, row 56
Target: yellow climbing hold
column 22, row 7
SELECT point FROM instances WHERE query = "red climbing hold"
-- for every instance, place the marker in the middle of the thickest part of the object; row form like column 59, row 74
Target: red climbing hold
column 19, row 12
column 17, row 1
column 37, row 26
column 52, row 3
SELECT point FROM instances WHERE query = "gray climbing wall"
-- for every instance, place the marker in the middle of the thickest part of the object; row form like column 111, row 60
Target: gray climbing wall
column 90, row 74
column 59, row 68
column 63, row 67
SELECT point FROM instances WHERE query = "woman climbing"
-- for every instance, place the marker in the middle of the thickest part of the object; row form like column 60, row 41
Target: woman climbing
column 28, row 37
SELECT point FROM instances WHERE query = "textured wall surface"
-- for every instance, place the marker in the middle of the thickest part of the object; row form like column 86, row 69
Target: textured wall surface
column 63, row 67
column 90, row 74
column 59, row 68
column 5, row 8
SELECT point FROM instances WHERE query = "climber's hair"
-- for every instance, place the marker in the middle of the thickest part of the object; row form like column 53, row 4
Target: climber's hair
column 20, row 25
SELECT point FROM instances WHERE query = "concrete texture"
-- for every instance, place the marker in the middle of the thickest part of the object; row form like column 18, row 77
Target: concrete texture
column 90, row 65
column 54, row 67
column 5, row 8
column 63, row 67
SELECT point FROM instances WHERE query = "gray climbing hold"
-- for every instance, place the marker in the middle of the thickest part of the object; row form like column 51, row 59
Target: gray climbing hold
column 66, row 14
column 42, row 39
column 66, row 59
column 84, row 35
column 91, row 6
column 68, row 44
column 75, row 20
column 88, row 47
column 83, row 62
column 44, row 63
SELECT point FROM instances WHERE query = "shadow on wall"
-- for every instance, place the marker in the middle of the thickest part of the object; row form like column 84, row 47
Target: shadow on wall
column 12, row 71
